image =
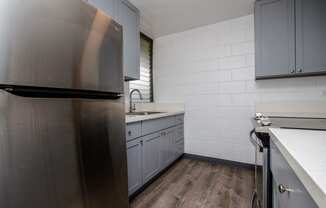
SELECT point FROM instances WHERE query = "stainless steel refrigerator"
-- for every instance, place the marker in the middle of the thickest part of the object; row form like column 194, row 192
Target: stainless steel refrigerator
column 62, row 137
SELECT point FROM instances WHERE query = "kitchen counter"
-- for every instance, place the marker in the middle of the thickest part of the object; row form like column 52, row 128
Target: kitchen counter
column 136, row 118
column 305, row 152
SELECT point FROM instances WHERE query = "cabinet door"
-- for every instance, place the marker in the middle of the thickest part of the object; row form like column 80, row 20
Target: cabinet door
column 311, row 36
column 151, row 156
column 275, row 38
column 164, row 149
column 179, row 148
column 110, row 7
column 296, row 196
column 167, row 147
column 130, row 20
column 134, row 155
column 173, row 144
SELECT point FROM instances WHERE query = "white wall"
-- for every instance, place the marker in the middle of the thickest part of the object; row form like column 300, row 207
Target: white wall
column 211, row 70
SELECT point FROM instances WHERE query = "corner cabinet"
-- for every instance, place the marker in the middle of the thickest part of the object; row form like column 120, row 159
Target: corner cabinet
column 290, row 38
column 288, row 191
column 160, row 143
column 126, row 14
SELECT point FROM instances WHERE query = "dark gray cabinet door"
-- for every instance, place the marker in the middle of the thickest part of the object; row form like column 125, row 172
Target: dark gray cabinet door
column 311, row 36
column 129, row 18
column 275, row 38
column 151, row 156
column 134, row 156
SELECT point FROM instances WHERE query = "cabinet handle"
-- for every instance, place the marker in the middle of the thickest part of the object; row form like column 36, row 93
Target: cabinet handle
column 129, row 133
column 299, row 70
column 141, row 142
column 282, row 189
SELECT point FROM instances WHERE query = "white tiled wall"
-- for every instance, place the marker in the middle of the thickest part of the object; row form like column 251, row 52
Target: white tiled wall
column 211, row 70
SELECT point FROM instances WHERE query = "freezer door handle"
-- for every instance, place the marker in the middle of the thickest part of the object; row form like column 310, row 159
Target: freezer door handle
column 44, row 92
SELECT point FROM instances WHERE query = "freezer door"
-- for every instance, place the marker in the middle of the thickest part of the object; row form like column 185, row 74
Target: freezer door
column 61, row 44
column 67, row 153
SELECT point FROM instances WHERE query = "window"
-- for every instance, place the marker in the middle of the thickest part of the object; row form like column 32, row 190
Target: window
column 145, row 84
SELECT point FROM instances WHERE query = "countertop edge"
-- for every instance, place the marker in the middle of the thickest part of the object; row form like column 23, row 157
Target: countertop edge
column 134, row 119
column 309, row 183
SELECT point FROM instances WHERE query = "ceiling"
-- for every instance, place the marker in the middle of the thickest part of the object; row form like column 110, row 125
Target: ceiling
column 172, row 16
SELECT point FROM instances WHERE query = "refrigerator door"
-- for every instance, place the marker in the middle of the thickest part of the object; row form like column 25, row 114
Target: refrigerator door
column 67, row 153
column 59, row 44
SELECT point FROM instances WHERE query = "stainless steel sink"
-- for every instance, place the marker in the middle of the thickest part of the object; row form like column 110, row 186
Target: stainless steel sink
column 143, row 113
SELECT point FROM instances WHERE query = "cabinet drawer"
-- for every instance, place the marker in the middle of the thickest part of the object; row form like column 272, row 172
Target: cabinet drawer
column 133, row 130
column 155, row 125
column 180, row 119
column 284, row 175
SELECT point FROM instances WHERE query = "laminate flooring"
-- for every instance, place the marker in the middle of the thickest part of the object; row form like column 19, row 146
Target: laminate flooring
column 198, row 184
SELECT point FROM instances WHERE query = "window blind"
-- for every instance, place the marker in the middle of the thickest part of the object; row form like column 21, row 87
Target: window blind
column 145, row 84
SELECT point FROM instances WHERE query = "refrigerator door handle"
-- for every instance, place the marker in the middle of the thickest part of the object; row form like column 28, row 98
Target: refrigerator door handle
column 44, row 92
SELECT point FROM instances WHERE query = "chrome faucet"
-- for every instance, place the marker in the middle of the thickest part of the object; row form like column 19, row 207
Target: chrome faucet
column 132, row 106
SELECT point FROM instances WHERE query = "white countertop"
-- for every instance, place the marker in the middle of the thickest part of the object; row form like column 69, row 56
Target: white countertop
column 305, row 151
column 133, row 118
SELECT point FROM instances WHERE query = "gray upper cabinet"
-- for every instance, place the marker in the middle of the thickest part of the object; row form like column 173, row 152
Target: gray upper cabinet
column 275, row 43
column 129, row 18
column 134, row 156
column 290, row 38
column 311, row 36
column 110, row 7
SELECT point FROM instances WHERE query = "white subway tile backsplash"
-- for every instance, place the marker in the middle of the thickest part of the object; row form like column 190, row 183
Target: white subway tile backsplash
column 233, row 62
column 223, row 76
column 233, row 87
column 212, row 70
column 243, row 74
column 243, row 48
column 250, row 60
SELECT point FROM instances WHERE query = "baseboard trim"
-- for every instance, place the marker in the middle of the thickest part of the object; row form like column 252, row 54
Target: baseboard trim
column 219, row 161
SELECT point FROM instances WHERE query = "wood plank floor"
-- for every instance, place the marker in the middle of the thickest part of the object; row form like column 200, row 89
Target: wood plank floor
column 198, row 184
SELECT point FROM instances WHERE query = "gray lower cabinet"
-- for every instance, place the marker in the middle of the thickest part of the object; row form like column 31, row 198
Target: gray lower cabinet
column 167, row 149
column 151, row 156
column 288, row 191
column 134, row 159
column 290, row 38
column 179, row 141
column 151, row 147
